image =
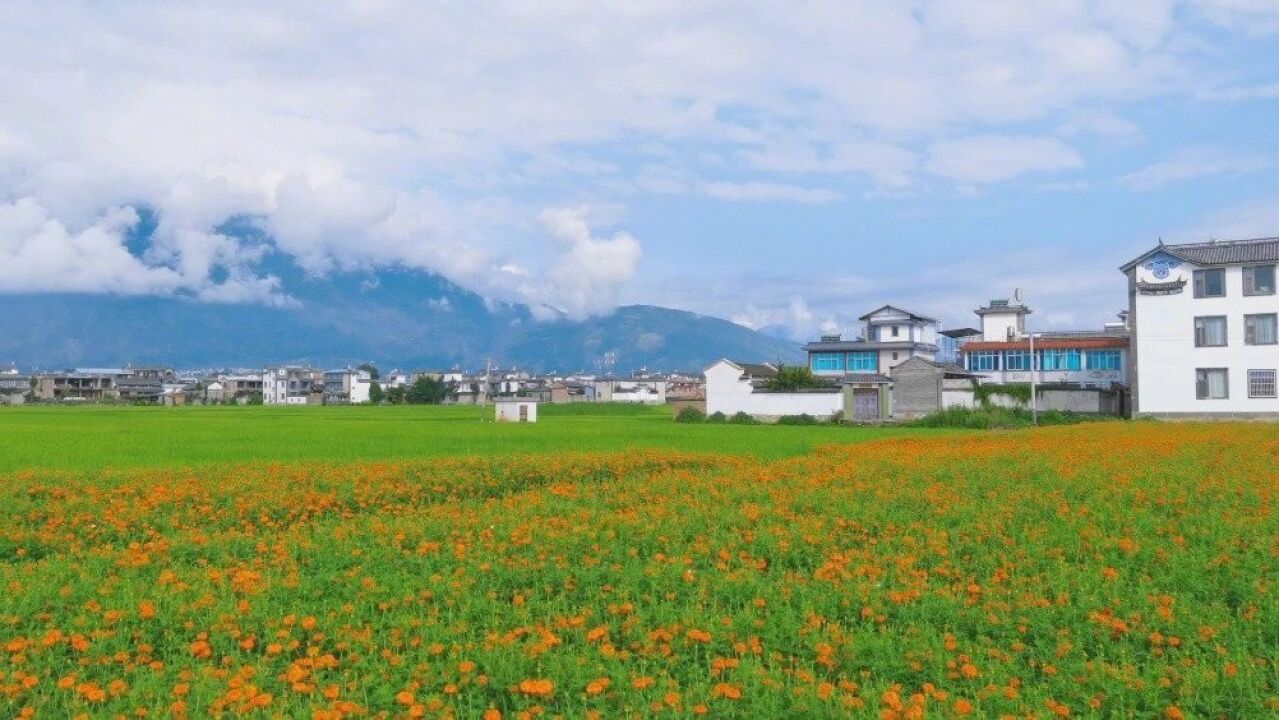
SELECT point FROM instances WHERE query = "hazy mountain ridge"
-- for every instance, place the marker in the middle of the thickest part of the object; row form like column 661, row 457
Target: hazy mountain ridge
column 395, row 318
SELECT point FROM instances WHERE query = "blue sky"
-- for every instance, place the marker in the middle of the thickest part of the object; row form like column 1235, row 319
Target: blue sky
column 787, row 165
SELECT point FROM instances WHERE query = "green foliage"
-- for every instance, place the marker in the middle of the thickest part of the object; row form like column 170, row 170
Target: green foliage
column 371, row 369
column 717, row 417
column 1017, row 391
column 742, row 418
column 255, row 397
column 395, row 395
column 991, row 417
column 690, row 414
column 427, row 391
column 804, row 419
column 794, row 377
column 375, row 392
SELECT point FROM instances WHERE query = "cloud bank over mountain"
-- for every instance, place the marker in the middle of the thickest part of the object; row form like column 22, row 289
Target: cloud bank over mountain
column 550, row 153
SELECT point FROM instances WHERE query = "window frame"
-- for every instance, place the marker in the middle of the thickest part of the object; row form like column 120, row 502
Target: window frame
column 1062, row 360
column 1199, row 331
column 1021, row 356
column 1110, row 356
column 979, row 355
column 1250, row 281
column 1250, row 333
column 1201, row 282
column 1204, row 395
column 853, row 361
column 841, row 362
column 1273, row 381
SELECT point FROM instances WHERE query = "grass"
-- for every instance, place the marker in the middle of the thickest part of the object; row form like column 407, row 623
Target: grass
column 91, row 438
column 1104, row 570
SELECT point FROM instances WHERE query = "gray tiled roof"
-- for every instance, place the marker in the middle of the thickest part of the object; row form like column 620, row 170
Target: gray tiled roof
column 847, row 345
column 863, row 378
column 1225, row 252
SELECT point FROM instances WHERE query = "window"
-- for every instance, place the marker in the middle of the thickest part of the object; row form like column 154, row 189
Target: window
column 1259, row 329
column 863, row 361
column 1017, row 360
column 1102, row 359
column 1210, row 283
column 1261, row 383
column 1210, row 331
column 1259, row 280
column 1211, row 384
column 894, row 331
column 827, row 362
column 894, row 355
column 1060, row 360
column 983, row 360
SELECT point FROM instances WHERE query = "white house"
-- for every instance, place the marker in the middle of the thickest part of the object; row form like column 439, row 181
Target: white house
column 290, row 385
column 1081, row 358
column 514, row 409
column 733, row 387
column 888, row 336
column 1204, row 336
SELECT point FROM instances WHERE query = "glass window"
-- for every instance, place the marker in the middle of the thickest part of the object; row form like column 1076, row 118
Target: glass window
column 1259, row 280
column 983, row 360
column 863, row 361
column 1210, row 331
column 1060, row 360
column 894, row 331
column 1102, row 359
column 827, row 362
column 1211, row 384
column 1017, row 360
column 1210, row 283
column 1259, row 329
column 1261, row 383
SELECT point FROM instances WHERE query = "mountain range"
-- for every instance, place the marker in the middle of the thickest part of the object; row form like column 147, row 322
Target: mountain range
column 394, row 318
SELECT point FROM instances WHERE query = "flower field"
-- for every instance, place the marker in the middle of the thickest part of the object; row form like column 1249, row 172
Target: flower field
column 1115, row 569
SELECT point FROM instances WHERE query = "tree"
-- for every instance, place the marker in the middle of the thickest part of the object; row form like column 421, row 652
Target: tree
column 794, row 377
column 375, row 392
column 255, row 398
column 371, row 369
column 395, row 395
column 427, row 391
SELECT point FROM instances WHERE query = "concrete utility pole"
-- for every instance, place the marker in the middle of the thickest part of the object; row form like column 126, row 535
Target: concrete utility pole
column 1034, row 397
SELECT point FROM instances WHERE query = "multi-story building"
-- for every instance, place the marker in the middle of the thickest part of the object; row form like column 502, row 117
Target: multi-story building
column 291, row 385
column 1080, row 358
column 347, row 386
column 1204, row 335
column 14, row 386
column 889, row 335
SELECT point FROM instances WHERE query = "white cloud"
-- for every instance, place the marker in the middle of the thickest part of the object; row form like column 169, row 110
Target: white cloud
column 1237, row 93
column 1191, row 164
column 1252, row 219
column 387, row 133
column 769, row 192
column 995, row 158
column 588, row 272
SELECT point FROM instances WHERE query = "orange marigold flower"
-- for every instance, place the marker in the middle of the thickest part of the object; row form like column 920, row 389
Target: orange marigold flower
column 466, row 666
column 963, row 707
column 642, row 682
column 537, row 687
column 725, row 690
column 595, row 687
column 700, row 636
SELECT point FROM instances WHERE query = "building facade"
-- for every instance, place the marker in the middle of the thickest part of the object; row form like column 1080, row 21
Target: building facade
column 1204, row 335
column 888, row 336
column 1002, row 354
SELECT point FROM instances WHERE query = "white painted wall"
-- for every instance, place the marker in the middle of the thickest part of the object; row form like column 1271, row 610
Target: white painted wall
column 730, row 393
column 360, row 389
column 509, row 411
column 1166, row 352
column 995, row 326
column 958, row 398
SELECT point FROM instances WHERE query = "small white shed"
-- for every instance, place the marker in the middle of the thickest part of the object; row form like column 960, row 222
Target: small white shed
column 516, row 410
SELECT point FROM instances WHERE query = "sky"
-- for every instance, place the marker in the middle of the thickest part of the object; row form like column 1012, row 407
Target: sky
column 787, row 165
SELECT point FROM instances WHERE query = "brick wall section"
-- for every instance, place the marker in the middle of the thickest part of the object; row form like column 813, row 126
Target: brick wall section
column 916, row 390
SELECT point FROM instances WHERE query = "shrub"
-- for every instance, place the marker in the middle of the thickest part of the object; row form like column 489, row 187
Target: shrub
column 794, row 377
column 998, row 417
column 804, row 419
column 742, row 418
column 690, row 414
column 717, row 417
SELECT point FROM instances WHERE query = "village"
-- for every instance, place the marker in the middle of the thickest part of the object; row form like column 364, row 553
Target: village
column 1197, row 340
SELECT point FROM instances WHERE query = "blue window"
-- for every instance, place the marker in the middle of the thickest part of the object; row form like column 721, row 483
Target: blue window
column 826, row 362
column 863, row 361
column 983, row 360
column 1102, row 359
column 1060, row 360
column 1017, row 360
